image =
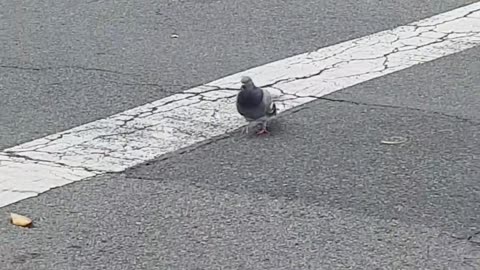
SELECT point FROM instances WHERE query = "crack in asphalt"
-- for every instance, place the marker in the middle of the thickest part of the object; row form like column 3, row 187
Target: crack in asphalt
column 473, row 121
column 473, row 237
column 125, row 125
column 64, row 67
column 46, row 162
column 446, row 21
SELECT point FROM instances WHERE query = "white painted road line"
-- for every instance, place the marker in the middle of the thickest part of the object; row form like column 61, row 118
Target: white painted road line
column 143, row 133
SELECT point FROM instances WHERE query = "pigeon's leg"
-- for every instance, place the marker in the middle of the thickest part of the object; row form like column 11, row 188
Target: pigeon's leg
column 264, row 130
column 247, row 127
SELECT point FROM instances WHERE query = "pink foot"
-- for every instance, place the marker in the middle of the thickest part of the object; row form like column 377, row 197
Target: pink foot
column 263, row 132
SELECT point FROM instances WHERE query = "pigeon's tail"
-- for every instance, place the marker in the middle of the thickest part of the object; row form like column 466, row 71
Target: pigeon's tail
column 272, row 110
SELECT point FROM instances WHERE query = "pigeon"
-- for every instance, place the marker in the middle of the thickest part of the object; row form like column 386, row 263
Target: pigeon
column 255, row 104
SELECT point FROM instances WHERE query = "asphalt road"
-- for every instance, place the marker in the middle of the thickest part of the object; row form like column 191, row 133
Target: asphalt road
column 321, row 193
column 93, row 59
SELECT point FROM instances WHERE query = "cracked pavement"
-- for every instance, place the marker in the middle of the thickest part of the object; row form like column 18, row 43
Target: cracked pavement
column 97, row 59
column 321, row 193
column 181, row 120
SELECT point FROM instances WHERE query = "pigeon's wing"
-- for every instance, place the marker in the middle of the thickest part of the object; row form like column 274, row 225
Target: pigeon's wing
column 268, row 104
column 267, row 98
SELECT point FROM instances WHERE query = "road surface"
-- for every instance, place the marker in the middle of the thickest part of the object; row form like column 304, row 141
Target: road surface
column 322, row 192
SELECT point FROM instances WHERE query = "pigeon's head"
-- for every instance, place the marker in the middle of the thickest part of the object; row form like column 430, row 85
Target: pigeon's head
column 247, row 83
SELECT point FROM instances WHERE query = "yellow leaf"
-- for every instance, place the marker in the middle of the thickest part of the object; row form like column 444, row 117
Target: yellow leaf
column 20, row 220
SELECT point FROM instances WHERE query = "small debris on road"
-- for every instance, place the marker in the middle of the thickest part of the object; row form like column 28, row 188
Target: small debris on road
column 394, row 140
column 20, row 220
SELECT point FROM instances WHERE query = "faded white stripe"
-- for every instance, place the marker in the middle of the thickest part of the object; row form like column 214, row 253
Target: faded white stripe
column 143, row 133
